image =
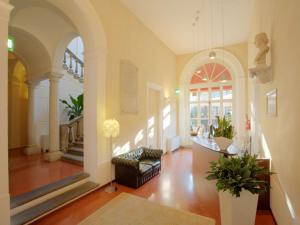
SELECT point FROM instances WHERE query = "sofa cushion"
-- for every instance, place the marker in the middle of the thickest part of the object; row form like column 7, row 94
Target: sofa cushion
column 144, row 168
column 150, row 162
column 134, row 154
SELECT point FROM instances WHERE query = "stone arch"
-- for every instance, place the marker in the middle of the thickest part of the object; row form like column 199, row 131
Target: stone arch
column 239, row 82
column 84, row 17
column 31, row 52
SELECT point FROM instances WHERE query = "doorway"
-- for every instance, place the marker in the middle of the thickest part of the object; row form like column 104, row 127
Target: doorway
column 154, row 127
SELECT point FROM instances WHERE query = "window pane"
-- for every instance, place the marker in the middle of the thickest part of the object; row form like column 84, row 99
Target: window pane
column 227, row 94
column 215, row 95
column 194, row 111
column 204, row 125
column 227, row 109
column 195, row 124
column 193, row 96
column 204, row 110
column 203, row 95
column 215, row 109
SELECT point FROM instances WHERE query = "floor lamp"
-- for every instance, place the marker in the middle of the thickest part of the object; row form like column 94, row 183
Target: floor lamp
column 111, row 128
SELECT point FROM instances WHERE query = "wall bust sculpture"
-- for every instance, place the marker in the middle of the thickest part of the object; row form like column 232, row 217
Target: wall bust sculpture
column 262, row 71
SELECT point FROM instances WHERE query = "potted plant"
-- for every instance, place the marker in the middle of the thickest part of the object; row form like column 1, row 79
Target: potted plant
column 239, row 186
column 75, row 108
column 223, row 133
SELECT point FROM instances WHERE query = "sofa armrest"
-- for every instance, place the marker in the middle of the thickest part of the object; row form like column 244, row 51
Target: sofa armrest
column 125, row 162
column 152, row 153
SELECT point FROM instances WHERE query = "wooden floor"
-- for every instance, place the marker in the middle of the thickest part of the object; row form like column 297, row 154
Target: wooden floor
column 173, row 187
column 29, row 172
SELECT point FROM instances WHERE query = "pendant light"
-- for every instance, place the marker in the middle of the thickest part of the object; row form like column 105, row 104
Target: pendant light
column 205, row 77
column 212, row 55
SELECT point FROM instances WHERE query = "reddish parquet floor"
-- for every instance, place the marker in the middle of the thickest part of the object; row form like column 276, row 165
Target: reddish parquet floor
column 173, row 187
column 29, row 172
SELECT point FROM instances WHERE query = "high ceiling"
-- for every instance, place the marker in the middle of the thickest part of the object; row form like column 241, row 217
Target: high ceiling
column 171, row 21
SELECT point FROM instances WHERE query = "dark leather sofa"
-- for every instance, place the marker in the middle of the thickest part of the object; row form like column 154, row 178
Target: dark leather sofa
column 138, row 166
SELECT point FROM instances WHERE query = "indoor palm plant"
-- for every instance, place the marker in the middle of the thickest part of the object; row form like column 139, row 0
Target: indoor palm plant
column 238, row 184
column 223, row 132
column 75, row 107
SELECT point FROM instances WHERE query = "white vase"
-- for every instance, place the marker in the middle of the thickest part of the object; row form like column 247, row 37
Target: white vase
column 223, row 142
column 238, row 211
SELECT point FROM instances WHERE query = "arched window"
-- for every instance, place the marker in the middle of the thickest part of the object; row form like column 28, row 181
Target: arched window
column 211, row 95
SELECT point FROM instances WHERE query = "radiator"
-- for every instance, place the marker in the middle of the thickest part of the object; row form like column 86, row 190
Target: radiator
column 173, row 143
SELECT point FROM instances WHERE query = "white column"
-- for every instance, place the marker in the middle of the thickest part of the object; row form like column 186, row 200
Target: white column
column 5, row 9
column 54, row 150
column 32, row 148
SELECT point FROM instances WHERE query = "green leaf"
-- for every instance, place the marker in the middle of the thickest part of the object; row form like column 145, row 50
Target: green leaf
column 235, row 174
column 75, row 108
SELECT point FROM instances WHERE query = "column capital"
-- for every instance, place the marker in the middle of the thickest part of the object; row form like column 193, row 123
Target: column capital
column 32, row 82
column 55, row 76
column 5, row 9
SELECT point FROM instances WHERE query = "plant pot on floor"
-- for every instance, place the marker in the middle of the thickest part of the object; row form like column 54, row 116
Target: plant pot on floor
column 238, row 210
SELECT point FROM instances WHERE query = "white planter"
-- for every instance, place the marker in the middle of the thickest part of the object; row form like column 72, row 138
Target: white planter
column 223, row 142
column 238, row 211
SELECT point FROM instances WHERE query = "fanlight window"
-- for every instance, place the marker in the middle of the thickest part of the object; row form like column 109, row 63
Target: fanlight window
column 211, row 95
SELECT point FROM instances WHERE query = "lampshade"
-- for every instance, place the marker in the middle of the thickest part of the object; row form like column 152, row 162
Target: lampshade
column 111, row 128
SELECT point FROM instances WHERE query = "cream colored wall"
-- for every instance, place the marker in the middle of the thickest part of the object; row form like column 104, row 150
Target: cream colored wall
column 280, row 19
column 129, row 39
column 17, row 104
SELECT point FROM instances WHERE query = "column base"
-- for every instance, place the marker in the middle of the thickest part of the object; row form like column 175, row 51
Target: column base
column 30, row 150
column 53, row 156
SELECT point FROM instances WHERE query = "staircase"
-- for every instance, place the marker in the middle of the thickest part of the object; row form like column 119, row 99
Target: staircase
column 74, row 153
column 72, row 141
column 33, row 205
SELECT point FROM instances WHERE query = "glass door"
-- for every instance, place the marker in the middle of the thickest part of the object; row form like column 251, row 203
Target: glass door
column 208, row 103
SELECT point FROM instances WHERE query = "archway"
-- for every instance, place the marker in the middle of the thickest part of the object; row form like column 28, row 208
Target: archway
column 84, row 17
column 239, row 84
column 88, row 24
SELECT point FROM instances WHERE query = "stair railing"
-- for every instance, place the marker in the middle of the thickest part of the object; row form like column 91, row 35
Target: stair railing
column 71, row 132
column 73, row 65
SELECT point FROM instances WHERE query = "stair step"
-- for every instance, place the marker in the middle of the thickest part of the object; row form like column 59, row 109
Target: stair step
column 39, row 192
column 52, row 204
column 78, row 143
column 75, row 151
column 76, row 159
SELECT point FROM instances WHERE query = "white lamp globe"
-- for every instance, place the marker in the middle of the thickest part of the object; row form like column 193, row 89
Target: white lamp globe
column 111, row 128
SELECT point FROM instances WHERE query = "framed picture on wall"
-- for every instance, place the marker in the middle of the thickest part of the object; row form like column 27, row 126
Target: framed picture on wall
column 272, row 103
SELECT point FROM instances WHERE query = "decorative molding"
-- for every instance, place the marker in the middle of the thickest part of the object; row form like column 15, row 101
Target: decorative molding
column 5, row 9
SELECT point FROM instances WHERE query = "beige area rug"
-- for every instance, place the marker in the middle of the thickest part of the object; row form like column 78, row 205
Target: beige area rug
column 128, row 209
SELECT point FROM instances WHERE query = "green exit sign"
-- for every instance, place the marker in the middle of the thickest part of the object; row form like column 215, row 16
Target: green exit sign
column 11, row 43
